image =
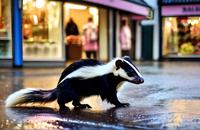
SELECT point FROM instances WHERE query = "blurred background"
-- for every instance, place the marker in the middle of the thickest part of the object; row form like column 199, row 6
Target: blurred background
column 34, row 32
column 42, row 37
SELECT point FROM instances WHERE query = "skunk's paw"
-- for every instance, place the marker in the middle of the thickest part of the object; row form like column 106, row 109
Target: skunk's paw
column 64, row 110
column 82, row 106
column 123, row 105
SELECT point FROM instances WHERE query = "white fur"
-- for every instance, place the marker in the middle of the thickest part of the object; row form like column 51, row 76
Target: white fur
column 138, row 73
column 99, row 70
column 120, row 72
column 92, row 71
column 17, row 97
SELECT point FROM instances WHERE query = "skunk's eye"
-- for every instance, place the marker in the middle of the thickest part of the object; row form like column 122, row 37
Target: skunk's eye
column 131, row 73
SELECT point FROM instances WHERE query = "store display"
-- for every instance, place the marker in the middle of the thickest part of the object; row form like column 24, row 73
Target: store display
column 39, row 49
column 181, row 36
column 42, row 32
column 73, row 44
column 187, row 49
column 5, row 30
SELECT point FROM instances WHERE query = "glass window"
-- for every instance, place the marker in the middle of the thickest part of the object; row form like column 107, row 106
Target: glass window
column 5, row 29
column 181, row 36
column 42, row 30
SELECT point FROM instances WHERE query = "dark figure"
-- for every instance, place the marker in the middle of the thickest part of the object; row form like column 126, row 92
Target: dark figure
column 71, row 28
column 83, row 79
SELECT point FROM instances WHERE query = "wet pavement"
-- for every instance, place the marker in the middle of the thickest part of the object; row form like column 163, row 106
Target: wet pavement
column 168, row 99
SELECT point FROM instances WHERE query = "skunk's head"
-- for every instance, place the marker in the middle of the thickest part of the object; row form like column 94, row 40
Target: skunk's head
column 127, row 70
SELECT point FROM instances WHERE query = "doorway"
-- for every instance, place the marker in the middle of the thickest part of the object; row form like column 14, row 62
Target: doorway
column 147, row 42
column 75, row 42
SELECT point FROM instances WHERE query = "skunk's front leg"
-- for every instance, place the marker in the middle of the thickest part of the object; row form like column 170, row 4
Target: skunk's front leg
column 114, row 100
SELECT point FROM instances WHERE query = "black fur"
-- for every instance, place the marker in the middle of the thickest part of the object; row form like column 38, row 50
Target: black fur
column 75, row 89
column 41, row 96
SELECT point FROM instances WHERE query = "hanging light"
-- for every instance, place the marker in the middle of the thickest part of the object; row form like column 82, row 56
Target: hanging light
column 75, row 6
column 40, row 3
column 93, row 10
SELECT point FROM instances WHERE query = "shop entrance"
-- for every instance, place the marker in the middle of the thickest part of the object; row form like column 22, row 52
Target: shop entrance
column 81, row 32
column 133, row 31
column 147, row 42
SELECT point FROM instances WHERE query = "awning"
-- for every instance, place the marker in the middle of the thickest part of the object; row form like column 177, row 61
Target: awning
column 129, row 6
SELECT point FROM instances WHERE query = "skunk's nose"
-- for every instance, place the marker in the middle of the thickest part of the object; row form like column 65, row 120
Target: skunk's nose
column 141, row 80
column 138, row 80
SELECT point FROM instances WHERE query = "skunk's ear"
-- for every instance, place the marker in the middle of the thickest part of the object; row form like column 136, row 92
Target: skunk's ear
column 118, row 63
column 126, row 58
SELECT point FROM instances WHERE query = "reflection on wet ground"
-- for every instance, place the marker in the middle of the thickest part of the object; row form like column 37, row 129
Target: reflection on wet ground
column 169, row 98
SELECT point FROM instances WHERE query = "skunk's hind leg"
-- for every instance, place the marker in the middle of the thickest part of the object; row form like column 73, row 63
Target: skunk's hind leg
column 61, row 102
column 65, row 94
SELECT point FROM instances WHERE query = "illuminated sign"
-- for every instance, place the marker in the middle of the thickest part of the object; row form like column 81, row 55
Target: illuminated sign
column 180, row 10
column 191, row 9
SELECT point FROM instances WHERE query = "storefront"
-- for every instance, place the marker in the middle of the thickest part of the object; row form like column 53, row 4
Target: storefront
column 5, row 30
column 44, row 30
column 133, row 11
column 38, row 29
column 44, row 21
column 180, row 31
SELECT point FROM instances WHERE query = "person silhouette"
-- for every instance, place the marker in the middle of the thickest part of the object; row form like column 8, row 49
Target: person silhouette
column 71, row 28
column 125, row 37
column 90, row 36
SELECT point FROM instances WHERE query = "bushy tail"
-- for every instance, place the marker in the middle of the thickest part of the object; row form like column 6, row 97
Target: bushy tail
column 31, row 96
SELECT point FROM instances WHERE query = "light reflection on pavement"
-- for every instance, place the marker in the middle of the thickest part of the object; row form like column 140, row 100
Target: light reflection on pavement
column 169, row 98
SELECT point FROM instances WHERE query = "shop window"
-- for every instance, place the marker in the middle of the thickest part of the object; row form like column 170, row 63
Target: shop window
column 5, row 29
column 42, row 30
column 181, row 36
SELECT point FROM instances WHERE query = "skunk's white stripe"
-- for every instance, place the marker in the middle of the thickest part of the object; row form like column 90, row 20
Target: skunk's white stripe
column 17, row 97
column 99, row 70
column 92, row 71
column 138, row 73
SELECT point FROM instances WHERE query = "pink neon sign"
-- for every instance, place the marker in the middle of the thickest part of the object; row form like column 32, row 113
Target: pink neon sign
column 180, row 10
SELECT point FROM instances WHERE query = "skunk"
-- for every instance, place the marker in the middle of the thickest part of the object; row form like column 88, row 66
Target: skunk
column 82, row 79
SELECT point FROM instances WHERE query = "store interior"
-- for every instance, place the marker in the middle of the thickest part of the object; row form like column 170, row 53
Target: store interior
column 42, row 30
column 181, row 36
column 44, row 22
column 5, row 29
column 79, row 13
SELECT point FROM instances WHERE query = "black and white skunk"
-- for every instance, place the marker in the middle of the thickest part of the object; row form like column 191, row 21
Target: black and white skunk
column 82, row 79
